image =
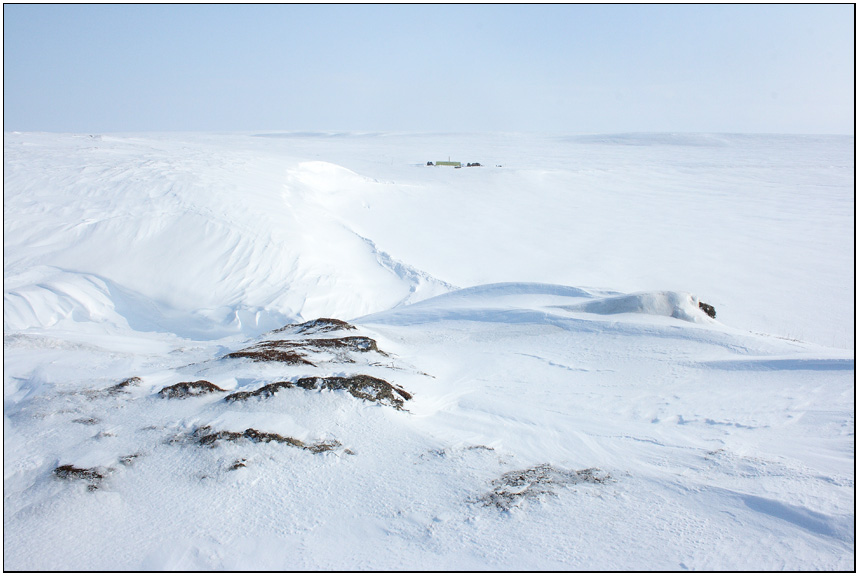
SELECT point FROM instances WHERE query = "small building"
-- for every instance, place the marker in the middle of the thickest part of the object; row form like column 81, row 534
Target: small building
column 449, row 163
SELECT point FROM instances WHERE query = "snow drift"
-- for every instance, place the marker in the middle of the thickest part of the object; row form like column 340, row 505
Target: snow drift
column 673, row 304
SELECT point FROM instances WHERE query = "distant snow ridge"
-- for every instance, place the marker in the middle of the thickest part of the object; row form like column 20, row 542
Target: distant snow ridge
column 653, row 139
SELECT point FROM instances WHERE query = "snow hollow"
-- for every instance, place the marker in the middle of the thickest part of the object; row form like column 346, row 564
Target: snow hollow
column 314, row 351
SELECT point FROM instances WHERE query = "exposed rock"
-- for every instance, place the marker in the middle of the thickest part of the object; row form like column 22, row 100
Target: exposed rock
column 264, row 392
column 454, row 452
column 352, row 343
column 294, row 352
column 68, row 472
column 514, row 487
column 121, row 387
column 711, row 312
column 86, row 421
column 205, row 437
column 323, row 447
column 128, row 459
column 266, row 437
column 188, row 389
column 360, row 386
column 318, row 325
column 211, row 438
column 273, row 351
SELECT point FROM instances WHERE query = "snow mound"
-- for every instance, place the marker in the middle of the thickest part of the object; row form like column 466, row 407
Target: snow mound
column 531, row 302
column 678, row 305
column 505, row 295
column 46, row 296
column 508, row 289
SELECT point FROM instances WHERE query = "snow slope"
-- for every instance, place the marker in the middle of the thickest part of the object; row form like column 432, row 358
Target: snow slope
column 567, row 405
column 221, row 239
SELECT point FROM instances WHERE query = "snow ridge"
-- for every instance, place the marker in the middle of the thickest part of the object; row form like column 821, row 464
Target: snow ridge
column 421, row 285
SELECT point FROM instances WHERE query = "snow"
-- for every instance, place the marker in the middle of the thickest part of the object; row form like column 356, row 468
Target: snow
column 542, row 310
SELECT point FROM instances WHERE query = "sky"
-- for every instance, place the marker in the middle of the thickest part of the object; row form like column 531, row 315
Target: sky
column 430, row 68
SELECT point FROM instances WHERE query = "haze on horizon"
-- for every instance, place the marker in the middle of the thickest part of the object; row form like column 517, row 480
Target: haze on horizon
column 430, row 68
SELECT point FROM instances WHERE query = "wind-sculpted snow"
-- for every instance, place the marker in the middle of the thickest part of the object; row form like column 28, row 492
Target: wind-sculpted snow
column 218, row 244
column 228, row 352
column 48, row 296
column 517, row 303
column 510, row 289
column 673, row 304
column 840, row 527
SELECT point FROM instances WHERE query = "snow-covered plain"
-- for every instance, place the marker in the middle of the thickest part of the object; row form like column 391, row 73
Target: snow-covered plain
column 568, row 405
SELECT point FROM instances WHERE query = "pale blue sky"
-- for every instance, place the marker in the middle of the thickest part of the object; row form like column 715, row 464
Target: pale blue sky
column 558, row 68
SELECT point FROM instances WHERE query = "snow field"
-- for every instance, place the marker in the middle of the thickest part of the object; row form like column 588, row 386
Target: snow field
column 575, row 344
